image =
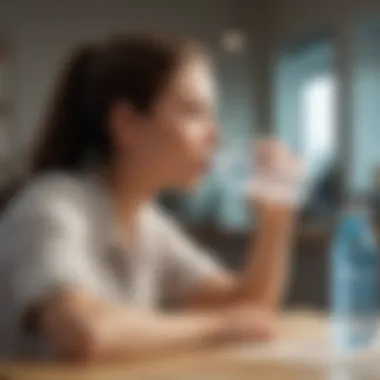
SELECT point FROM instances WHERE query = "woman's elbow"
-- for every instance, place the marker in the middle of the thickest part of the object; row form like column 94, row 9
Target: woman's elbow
column 73, row 327
column 86, row 346
column 74, row 339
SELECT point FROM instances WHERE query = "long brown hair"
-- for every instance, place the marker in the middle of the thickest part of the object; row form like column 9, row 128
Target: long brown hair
column 134, row 68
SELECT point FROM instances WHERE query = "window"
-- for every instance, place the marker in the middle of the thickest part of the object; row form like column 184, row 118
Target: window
column 317, row 121
column 305, row 99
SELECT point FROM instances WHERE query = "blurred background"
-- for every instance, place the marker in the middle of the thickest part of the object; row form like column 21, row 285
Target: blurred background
column 306, row 71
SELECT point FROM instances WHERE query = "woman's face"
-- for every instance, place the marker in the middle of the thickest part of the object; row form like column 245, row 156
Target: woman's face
column 174, row 143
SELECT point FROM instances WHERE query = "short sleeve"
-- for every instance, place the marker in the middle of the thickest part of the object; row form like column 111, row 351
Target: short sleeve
column 186, row 265
column 49, row 244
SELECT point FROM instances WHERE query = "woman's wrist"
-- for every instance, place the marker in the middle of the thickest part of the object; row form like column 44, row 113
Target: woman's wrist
column 276, row 211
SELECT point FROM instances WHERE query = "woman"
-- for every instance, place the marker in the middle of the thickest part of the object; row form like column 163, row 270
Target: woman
column 86, row 257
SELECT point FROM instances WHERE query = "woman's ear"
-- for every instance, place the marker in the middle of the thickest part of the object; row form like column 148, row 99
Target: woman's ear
column 122, row 121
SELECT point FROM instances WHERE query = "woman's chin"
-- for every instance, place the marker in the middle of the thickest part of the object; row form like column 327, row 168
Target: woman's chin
column 190, row 185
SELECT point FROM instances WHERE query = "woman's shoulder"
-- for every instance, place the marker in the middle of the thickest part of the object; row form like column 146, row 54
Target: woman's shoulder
column 58, row 193
column 56, row 185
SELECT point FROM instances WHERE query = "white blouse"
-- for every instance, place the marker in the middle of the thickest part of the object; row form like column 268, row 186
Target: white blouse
column 59, row 232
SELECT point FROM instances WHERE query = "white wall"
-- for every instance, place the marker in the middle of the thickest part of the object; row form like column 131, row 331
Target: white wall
column 42, row 32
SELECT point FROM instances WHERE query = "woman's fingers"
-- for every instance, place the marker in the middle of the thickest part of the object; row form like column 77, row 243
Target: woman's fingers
column 278, row 174
column 274, row 157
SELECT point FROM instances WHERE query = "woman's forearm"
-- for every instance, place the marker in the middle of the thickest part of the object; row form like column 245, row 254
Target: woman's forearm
column 264, row 279
column 89, row 330
column 262, row 282
column 129, row 333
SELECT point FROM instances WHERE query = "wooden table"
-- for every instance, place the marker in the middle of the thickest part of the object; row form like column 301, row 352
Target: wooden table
column 200, row 365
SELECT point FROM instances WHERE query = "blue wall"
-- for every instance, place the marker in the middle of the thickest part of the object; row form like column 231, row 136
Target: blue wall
column 366, row 105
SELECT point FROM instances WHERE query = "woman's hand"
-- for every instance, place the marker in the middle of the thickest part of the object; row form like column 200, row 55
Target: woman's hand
column 277, row 180
column 249, row 323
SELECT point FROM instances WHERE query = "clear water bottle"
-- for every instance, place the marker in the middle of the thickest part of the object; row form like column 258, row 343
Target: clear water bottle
column 354, row 280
